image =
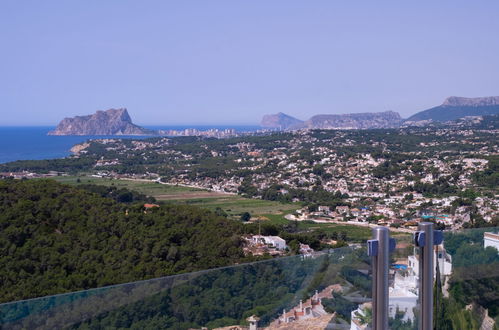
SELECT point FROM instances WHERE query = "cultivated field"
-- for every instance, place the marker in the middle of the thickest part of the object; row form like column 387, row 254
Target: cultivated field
column 233, row 205
column 145, row 187
column 355, row 233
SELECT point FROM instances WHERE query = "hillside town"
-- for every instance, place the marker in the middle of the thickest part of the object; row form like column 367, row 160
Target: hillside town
column 385, row 177
column 394, row 177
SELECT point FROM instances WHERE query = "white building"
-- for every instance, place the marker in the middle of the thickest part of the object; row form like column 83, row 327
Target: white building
column 444, row 262
column 324, row 209
column 273, row 241
column 491, row 239
column 403, row 295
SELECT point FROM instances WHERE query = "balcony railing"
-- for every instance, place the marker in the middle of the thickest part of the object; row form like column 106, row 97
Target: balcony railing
column 329, row 289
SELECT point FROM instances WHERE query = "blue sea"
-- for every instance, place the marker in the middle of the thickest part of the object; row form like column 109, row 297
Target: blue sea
column 21, row 143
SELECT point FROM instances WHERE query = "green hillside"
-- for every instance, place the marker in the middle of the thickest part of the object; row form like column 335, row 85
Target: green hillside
column 55, row 238
column 446, row 113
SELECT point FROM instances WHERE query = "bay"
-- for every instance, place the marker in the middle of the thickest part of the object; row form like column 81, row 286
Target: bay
column 32, row 142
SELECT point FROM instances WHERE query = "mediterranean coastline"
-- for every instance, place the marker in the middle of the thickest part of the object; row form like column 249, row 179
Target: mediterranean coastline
column 33, row 143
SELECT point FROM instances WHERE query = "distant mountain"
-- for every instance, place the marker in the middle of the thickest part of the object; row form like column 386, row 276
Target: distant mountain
column 279, row 120
column 458, row 107
column 387, row 119
column 109, row 122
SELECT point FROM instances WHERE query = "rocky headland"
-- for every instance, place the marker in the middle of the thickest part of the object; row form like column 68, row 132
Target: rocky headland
column 368, row 120
column 280, row 121
column 109, row 122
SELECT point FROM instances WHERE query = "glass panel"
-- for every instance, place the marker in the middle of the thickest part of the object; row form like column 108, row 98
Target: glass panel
column 403, row 283
column 316, row 290
column 330, row 289
column 469, row 297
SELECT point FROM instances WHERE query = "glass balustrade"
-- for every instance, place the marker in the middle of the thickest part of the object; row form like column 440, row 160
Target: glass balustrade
column 403, row 306
column 319, row 288
column 329, row 289
column 468, row 297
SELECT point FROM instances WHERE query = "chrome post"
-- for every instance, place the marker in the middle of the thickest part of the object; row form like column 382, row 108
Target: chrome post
column 379, row 249
column 426, row 238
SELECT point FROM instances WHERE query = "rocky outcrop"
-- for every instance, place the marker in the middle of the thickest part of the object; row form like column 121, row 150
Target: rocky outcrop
column 79, row 148
column 455, row 101
column 280, row 121
column 455, row 107
column 369, row 120
column 387, row 119
column 109, row 122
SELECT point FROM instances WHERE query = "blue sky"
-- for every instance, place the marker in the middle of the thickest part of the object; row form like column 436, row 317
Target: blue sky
column 231, row 62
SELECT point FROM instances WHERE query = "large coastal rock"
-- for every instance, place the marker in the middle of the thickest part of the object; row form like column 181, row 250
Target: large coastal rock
column 387, row 119
column 109, row 122
column 280, row 121
column 458, row 107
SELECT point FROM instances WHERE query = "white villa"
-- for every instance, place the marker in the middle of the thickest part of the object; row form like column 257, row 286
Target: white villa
column 273, row 241
column 491, row 239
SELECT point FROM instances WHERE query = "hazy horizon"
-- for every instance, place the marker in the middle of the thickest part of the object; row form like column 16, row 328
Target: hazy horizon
column 230, row 63
column 214, row 125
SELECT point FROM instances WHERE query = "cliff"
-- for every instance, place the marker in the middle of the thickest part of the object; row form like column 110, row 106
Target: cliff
column 471, row 101
column 458, row 107
column 387, row 119
column 279, row 120
column 109, row 122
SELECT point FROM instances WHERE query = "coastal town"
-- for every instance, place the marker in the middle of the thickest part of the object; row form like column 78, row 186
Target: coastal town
column 249, row 165
column 395, row 178
column 392, row 177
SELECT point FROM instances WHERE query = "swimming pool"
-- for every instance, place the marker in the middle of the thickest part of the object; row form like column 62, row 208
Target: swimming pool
column 399, row 266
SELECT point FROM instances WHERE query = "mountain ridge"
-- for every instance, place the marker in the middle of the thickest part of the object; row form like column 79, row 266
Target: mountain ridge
column 471, row 101
column 366, row 120
column 455, row 107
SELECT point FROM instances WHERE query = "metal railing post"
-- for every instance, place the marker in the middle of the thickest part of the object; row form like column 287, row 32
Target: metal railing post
column 426, row 238
column 379, row 249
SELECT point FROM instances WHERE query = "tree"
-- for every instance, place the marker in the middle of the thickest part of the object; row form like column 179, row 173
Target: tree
column 339, row 305
column 441, row 318
column 63, row 238
column 245, row 217
column 312, row 207
column 294, row 246
column 365, row 318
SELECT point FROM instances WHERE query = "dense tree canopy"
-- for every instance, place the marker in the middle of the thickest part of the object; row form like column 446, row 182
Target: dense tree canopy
column 55, row 238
